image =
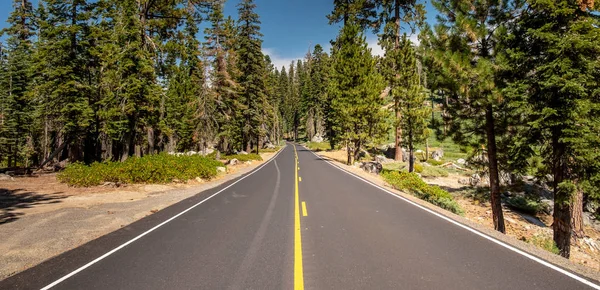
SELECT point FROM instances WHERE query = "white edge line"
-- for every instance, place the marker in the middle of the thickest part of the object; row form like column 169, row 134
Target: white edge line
column 155, row 227
column 518, row 251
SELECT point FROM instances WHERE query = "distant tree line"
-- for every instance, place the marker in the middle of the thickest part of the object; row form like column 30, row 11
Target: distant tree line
column 101, row 80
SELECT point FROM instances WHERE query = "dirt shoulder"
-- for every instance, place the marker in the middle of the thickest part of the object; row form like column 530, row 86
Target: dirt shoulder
column 585, row 260
column 41, row 217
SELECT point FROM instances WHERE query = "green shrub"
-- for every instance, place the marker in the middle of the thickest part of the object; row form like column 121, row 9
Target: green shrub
column 429, row 171
column 434, row 162
column 161, row 168
column 414, row 185
column 318, row 146
column 545, row 243
column 243, row 157
column 526, row 204
column 418, row 167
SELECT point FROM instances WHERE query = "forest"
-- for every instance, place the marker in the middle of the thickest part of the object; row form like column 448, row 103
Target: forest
column 517, row 81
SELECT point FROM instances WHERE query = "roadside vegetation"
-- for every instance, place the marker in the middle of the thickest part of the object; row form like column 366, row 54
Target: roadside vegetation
column 160, row 168
column 414, row 185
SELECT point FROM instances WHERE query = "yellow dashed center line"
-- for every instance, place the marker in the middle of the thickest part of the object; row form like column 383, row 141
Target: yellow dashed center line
column 298, row 269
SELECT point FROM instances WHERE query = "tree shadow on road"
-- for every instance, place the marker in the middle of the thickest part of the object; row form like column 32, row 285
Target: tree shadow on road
column 13, row 200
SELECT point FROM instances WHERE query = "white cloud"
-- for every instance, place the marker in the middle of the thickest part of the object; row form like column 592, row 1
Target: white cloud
column 377, row 50
column 278, row 60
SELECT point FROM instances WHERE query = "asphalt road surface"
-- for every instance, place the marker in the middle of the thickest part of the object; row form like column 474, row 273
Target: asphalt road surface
column 297, row 222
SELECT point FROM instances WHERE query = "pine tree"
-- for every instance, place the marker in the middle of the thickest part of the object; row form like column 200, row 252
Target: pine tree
column 362, row 12
column 220, row 47
column 317, row 98
column 552, row 72
column 355, row 89
column 391, row 16
column 251, row 64
column 467, row 31
column 15, row 132
column 411, row 97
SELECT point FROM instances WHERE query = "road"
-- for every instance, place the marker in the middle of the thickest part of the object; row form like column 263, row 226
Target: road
column 294, row 223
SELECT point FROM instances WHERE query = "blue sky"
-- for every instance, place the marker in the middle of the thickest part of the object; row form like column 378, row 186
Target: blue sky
column 289, row 26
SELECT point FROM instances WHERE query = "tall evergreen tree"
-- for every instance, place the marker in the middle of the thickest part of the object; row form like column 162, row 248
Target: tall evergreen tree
column 355, row 90
column 17, row 113
column 468, row 32
column 552, row 72
column 251, row 64
column 411, row 100
column 393, row 13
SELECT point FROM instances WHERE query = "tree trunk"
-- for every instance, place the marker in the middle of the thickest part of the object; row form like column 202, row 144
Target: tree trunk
column 497, row 215
column 398, row 154
column 150, row 132
column 349, row 153
column 577, row 215
column 357, row 148
column 426, row 149
column 257, row 144
column 562, row 197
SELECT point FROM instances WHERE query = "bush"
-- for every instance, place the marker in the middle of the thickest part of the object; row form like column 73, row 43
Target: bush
column 434, row 162
column 161, row 168
column 526, row 204
column 318, row 146
column 429, row 171
column 417, row 187
column 545, row 243
column 243, row 157
column 418, row 168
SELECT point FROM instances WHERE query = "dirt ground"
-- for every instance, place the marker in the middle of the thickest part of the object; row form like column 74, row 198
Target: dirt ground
column 41, row 217
column 524, row 227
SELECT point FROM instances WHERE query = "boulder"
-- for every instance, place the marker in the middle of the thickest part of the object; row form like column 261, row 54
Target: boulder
column 190, row 153
column 200, row 180
column 207, row 151
column 233, row 162
column 475, row 179
column 268, row 145
column 591, row 206
column 317, row 138
column 383, row 160
column 221, row 169
column 461, row 161
column 248, row 162
column 437, row 155
column 372, row 167
column 5, row 177
column 243, row 153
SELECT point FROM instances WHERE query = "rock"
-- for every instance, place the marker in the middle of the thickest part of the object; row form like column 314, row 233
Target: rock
column 242, row 153
column 357, row 164
column 171, row 153
column 207, row 151
column 475, row 180
column 591, row 206
column 437, row 155
column 464, row 181
column 198, row 179
column 221, row 169
column 233, row 162
column 549, row 205
column 110, row 184
column 372, row 167
column 268, row 145
column 317, row 138
column 461, row 161
column 248, row 162
column 190, row 153
column 383, row 160
column 5, row 177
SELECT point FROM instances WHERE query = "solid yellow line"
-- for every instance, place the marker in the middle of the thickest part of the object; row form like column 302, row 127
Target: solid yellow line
column 304, row 213
column 298, row 270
